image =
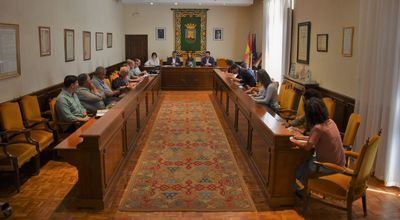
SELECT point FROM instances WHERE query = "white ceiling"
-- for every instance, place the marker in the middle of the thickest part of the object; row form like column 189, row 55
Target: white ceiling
column 191, row 2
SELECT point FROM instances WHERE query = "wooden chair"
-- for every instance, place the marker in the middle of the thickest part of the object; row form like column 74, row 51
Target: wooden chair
column 290, row 114
column 351, row 131
column 348, row 185
column 59, row 125
column 11, row 122
column 221, row 63
column 14, row 155
column 330, row 105
column 286, row 98
column 33, row 117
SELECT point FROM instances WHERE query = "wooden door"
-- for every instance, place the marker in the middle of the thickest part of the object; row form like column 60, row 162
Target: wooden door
column 136, row 47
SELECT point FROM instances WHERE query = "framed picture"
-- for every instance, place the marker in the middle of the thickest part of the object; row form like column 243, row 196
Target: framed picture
column 44, row 41
column 160, row 33
column 218, row 33
column 303, row 42
column 99, row 40
column 9, row 47
column 69, row 45
column 322, row 42
column 347, row 42
column 109, row 40
column 87, row 48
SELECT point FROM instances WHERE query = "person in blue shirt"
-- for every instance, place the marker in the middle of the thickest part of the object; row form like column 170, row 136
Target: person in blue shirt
column 243, row 76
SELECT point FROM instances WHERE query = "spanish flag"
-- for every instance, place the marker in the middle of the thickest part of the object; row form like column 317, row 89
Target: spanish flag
column 248, row 55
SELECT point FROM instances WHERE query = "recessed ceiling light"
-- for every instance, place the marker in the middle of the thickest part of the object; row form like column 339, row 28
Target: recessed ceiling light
column 200, row 3
column 151, row 3
column 176, row 3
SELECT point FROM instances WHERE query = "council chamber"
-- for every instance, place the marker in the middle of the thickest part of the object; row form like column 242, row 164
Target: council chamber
column 210, row 109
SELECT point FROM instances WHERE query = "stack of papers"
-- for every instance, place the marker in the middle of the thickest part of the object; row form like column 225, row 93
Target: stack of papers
column 101, row 112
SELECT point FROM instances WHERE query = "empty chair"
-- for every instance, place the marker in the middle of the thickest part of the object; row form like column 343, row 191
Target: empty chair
column 11, row 122
column 31, row 112
column 351, row 130
column 14, row 155
column 330, row 105
column 347, row 185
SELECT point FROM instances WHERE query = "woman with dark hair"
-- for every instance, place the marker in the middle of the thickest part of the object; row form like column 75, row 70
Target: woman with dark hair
column 153, row 61
column 190, row 61
column 268, row 95
column 324, row 138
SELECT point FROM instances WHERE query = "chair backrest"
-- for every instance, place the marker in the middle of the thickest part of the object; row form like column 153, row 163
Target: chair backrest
column 286, row 96
column 30, row 108
column 53, row 112
column 10, row 116
column 351, row 130
column 364, row 165
column 300, row 109
column 330, row 105
column 221, row 63
column 107, row 82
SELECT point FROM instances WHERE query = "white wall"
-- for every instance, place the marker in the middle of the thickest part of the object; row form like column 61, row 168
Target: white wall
column 331, row 70
column 81, row 15
column 234, row 20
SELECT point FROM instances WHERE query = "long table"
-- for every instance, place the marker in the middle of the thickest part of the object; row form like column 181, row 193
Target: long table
column 186, row 78
column 100, row 147
column 263, row 139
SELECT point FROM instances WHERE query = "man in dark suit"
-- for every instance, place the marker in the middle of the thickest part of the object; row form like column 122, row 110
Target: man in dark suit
column 243, row 76
column 207, row 60
column 174, row 60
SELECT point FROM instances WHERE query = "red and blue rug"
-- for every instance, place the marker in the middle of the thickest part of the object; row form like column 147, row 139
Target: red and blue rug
column 187, row 164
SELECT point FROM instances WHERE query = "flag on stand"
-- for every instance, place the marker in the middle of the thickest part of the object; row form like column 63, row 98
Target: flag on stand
column 248, row 56
column 254, row 50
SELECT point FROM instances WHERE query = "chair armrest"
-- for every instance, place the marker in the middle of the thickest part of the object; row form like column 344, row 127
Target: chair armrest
column 351, row 154
column 4, row 146
column 13, row 132
column 287, row 111
column 336, row 168
column 47, row 114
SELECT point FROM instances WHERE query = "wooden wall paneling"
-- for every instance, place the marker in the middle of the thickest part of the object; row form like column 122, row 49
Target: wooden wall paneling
column 186, row 78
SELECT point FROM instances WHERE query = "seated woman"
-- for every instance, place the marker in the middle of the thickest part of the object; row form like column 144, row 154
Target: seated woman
column 324, row 138
column 190, row 60
column 268, row 95
column 153, row 61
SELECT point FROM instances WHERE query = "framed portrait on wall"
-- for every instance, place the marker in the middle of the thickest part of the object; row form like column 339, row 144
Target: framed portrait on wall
column 69, row 45
column 109, row 40
column 160, row 33
column 87, row 46
column 44, row 41
column 347, row 42
column 99, row 40
column 218, row 34
column 303, row 42
column 322, row 42
column 9, row 47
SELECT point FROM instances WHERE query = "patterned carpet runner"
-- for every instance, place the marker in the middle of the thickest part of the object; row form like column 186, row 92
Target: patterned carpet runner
column 187, row 164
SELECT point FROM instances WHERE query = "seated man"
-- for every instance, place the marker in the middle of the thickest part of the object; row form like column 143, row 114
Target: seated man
column 207, row 60
column 243, row 76
column 68, row 106
column 138, row 72
column 121, row 82
column 174, row 60
column 88, row 95
column 131, row 65
column 99, row 75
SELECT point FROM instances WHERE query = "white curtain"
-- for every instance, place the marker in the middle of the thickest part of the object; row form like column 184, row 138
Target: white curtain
column 276, row 38
column 378, row 99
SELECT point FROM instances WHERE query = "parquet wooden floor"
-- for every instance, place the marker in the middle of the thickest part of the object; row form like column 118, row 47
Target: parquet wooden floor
column 48, row 195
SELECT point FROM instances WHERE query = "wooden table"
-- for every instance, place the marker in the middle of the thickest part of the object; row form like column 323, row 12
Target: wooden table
column 101, row 146
column 263, row 139
column 186, row 78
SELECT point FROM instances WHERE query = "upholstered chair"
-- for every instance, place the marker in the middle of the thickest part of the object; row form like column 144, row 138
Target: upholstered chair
column 347, row 185
column 14, row 155
column 33, row 116
column 351, row 131
column 11, row 122
column 330, row 105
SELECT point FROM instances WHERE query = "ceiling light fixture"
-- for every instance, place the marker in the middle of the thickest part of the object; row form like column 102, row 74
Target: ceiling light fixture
column 176, row 3
column 151, row 3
